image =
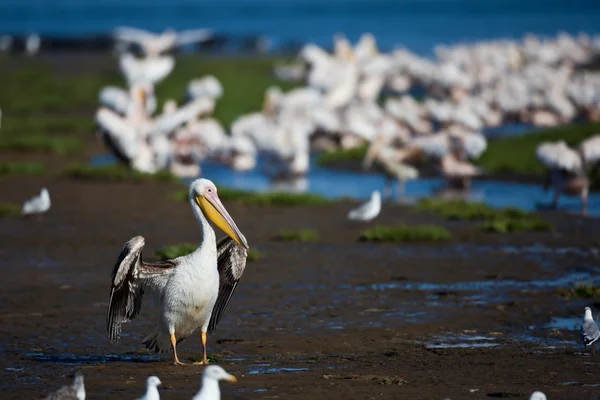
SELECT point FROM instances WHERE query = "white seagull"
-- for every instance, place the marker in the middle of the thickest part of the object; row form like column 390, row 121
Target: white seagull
column 152, row 384
column 537, row 396
column 210, row 383
column 37, row 205
column 368, row 210
column 589, row 330
column 192, row 290
column 72, row 392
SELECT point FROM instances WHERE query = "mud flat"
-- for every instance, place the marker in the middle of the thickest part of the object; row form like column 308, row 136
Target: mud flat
column 476, row 316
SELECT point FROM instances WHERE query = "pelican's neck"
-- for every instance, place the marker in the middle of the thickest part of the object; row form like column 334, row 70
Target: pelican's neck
column 210, row 389
column 206, row 231
column 588, row 315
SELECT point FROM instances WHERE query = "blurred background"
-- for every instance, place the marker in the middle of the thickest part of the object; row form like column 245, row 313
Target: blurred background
column 412, row 98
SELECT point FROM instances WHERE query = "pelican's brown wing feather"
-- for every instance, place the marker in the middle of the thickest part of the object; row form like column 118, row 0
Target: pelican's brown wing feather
column 130, row 278
column 231, row 262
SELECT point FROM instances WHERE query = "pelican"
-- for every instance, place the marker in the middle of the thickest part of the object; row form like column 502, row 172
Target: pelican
column 152, row 384
column 368, row 210
column 154, row 44
column 210, row 383
column 75, row 391
column 566, row 167
column 192, row 290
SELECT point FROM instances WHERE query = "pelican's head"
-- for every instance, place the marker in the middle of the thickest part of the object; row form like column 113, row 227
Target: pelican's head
column 153, row 381
column 588, row 313
column 203, row 193
column 215, row 372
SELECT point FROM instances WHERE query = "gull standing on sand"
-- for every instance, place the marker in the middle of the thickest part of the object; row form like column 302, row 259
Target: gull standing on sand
column 74, row 392
column 37, row 205
column 192, row 291
column 152, row 384
column 368, row 210
column 537, row 396
column 210, row 383
column 589, row 330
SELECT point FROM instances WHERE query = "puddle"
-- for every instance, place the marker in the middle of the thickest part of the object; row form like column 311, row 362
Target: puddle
column 261, row 371
column 360, row 185
column 491, row 285
column 570, row 323
column 461, row 342
column 73, row 359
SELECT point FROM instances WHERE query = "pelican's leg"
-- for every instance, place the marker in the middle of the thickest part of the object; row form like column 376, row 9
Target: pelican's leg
column 584, row 204
column 174, row 346
column 400, row 189
column 204, row 357
column 555, row 199
column 387, row 191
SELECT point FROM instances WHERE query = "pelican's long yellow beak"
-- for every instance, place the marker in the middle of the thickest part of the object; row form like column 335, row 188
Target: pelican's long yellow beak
column 231, row 378
column 142, row 94
column 211, row 206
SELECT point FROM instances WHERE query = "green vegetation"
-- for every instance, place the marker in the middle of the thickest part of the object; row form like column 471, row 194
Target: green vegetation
column 467, row 211
column 581, row 290
column 9, row 210
column 419, row 233
column 516, row 225
column 496, row 220
column 52, row 144
column 20, row 168
column 304, row 235
column 516, row 155
column 254, row 255
column 263, row 199
column 174, row 251
column 42, row 96
column 116, row 173
column 342, row 155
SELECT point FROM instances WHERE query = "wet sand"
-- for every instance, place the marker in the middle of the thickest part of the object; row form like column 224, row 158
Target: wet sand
column 335, row 319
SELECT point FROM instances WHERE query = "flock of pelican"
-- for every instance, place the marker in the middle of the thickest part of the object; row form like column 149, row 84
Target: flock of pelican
column 465, row 89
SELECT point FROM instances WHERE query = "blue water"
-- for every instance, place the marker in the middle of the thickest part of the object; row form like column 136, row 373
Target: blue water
column 337, row 184
column 417, row 24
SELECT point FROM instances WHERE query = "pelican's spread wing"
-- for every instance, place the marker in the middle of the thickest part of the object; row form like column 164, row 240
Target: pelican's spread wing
column 231, row 263
column 130, row 278
column 168, row 123
column 193, row 36
column 590, row 148
column 128, row 34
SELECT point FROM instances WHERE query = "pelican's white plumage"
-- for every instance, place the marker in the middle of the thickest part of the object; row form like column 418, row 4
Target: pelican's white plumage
column 368, row 210
column 207, row 86
column 210, row 383
column 193, row 290
column 155, row 44
column 38, row 204
column 152, row 384
column 151, row 70
column 559, row 155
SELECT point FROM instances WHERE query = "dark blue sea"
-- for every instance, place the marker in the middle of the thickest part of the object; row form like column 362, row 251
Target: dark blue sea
column 416, row 24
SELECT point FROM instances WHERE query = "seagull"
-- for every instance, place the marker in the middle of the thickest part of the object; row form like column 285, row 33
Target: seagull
column 75, row 391
column 152, row 384
column 589, row 330
column 192, row 290
column 537, row 396
column 368, row 210
column 210, row 383
column 37, row 205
